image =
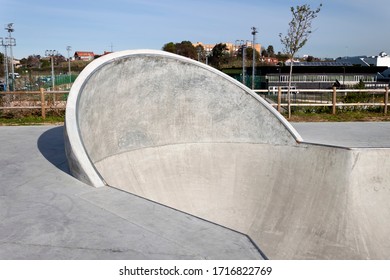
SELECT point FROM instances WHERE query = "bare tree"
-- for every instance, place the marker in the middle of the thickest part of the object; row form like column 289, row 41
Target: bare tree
column 297, row 36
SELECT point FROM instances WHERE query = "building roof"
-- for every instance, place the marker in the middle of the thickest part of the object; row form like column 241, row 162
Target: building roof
column 321, row 63
column 81, row 53
column 383, row 59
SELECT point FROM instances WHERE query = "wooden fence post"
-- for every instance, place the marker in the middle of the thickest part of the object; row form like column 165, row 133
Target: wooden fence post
column 334, row 101
column 386, row 99
column 279, row 97
column 43, row 106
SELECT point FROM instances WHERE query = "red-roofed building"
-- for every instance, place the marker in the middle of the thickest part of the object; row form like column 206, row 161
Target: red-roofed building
column 85, row 56
column 271, row 60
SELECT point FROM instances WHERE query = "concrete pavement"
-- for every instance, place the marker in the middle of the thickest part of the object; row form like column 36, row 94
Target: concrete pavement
column 47, row 214
column 346, row 134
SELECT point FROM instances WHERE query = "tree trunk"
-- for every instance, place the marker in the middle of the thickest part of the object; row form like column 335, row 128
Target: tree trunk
column 289, row 90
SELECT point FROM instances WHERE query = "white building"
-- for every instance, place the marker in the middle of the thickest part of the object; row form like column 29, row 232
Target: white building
column 383, row 59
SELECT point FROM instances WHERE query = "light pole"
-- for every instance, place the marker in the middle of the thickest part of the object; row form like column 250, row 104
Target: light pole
column 208, row 52
column 7, row 42
column 242, row 45
column 243, row 63
column 10, row 29
column 69, row 48
column 51, row 54
column 198, row 50
column 254, row 31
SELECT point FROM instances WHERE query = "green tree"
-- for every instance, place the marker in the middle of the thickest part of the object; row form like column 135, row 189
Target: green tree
column 297, row 36
column 45, row 63
column 270, row 51
column 187, row 49
column 219, row 55
column 169, row 47
column 249, row 54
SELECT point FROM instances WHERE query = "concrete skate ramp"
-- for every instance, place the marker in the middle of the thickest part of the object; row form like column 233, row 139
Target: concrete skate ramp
column 183, row 134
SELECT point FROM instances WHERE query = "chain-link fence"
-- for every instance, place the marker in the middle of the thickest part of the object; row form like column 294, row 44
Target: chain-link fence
column 35, row 82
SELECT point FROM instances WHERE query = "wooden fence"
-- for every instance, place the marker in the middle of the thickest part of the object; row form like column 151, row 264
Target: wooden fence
column 41, row 100
column 56, row 100
column 335, row 98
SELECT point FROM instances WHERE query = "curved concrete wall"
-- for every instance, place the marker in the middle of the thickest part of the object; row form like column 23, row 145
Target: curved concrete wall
column 137, row 99
column 185, row 135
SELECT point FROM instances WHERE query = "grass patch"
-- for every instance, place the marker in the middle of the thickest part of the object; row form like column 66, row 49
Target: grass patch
column 32, row 120
column 352, row 116
column 298, row 116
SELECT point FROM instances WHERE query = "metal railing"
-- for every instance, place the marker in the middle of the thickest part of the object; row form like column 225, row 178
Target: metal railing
column 318, row 78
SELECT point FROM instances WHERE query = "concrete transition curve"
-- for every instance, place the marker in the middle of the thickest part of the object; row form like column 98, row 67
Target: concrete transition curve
column 185, row 135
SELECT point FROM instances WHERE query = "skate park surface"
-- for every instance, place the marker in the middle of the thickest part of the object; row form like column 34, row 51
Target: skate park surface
column 46, row 213
column 189, row 174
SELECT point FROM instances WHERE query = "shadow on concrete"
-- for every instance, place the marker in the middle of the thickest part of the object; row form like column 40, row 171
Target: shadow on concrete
column 51, row 145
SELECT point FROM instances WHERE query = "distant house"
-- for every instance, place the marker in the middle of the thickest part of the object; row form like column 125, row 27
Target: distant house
column 85, row 56
column 232, row 48
column 383, row 59
column 271, row 60
column 324, row 75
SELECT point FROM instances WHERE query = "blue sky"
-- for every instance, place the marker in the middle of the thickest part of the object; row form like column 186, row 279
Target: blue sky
column 348, row 27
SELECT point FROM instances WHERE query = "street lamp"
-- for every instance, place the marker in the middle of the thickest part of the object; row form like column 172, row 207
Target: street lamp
column 51, row 54
column 11, row 42
column 242, row 45
column 10, row 29
column 208, row 52
column 7, row 42
column 199, row 51
column 69, row 48
column 254, row 31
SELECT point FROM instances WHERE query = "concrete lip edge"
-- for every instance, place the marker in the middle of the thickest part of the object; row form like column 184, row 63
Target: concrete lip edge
column 74, row 144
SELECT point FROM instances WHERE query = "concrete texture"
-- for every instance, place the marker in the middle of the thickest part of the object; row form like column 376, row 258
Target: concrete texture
column 47, row 214
column 183, row 134
column 347, row 134
column 185, row 101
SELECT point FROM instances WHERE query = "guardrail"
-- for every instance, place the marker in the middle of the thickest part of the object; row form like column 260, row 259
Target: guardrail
column 326, row 98
column 42, row 100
